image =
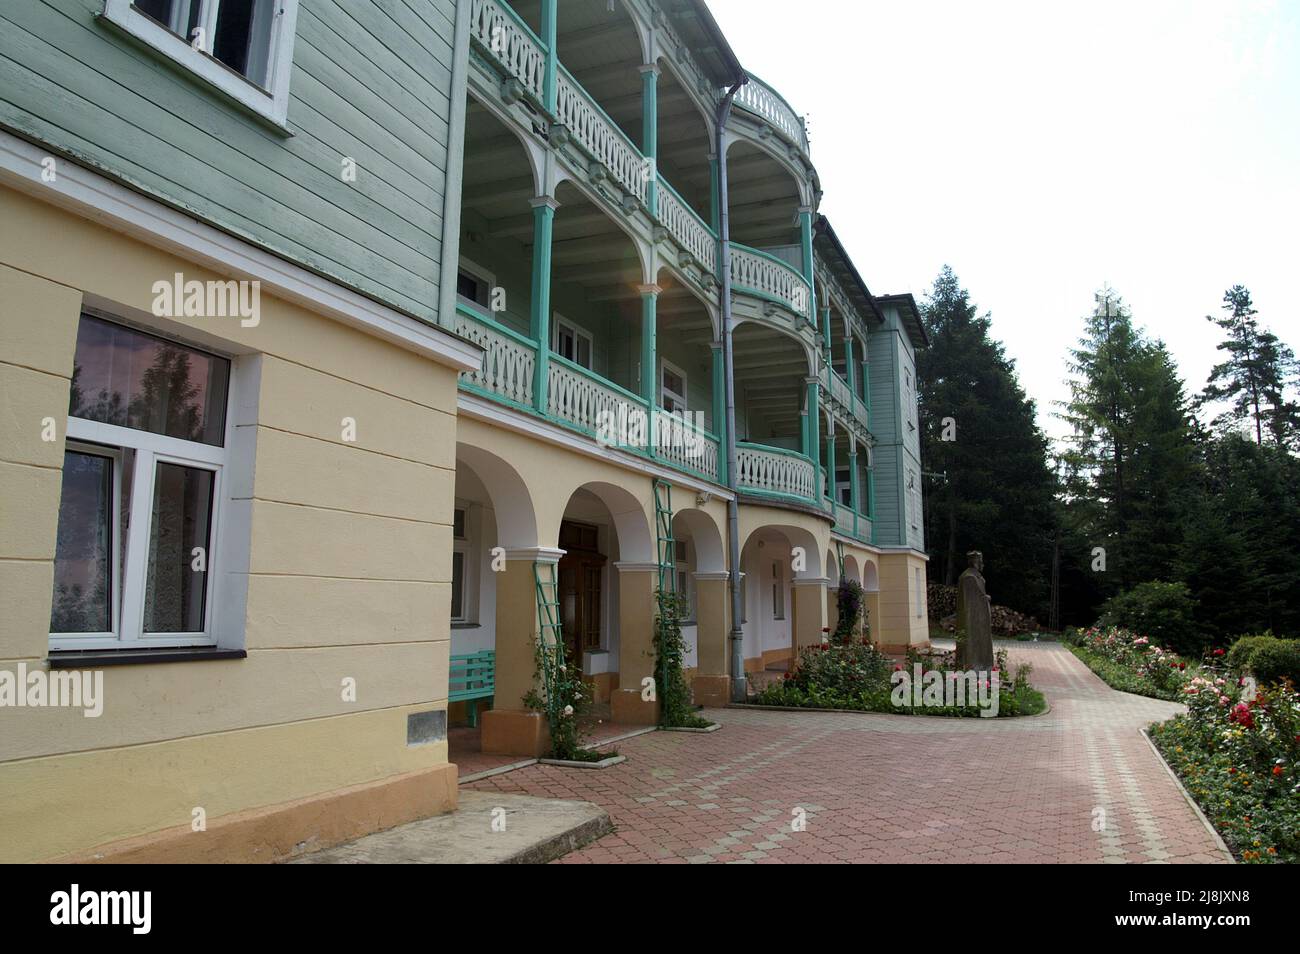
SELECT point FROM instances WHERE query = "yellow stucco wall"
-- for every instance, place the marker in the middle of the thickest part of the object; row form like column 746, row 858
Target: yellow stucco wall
column 349, row 566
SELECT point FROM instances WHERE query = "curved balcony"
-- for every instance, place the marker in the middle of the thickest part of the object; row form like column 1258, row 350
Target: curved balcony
column 774, row 470
column 689, row 230
column 761, row 100
column 758, row 273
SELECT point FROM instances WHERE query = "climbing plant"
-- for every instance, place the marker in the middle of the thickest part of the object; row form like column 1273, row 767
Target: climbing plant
column 850, row 600
column 563, row 698
column 673, row 693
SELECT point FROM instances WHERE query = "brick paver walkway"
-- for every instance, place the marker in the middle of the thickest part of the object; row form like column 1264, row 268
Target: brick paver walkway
column 885, row 788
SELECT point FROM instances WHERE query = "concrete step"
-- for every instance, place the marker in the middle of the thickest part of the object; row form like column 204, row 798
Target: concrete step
column 536, row 830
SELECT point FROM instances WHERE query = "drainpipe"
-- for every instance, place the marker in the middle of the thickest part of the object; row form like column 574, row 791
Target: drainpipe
column 739, row 689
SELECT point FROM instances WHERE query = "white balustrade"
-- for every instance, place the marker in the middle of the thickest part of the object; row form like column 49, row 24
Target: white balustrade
column 508, row 362
column 597, row 407
column 687, row 228
column 760, row 468
column 763, row 101
column 767, row 275
column 510, row 42
column 598, row 135
column 679, row 441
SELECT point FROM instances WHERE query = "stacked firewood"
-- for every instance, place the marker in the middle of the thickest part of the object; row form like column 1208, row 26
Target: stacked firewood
column 1005, row 621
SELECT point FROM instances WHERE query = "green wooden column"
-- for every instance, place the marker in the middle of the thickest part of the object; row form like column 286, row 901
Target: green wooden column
column 812, row 440
column 853, row 485
column 720, row 410
column 866, row 386
column 550, row 9
column 848, row 364
column 806, row 247
column 650, row 131
column 830, row 463
column 826, row 331
column 649, row 358
column 539, row 316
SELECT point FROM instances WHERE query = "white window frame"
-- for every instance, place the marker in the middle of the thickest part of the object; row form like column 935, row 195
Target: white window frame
column 469, row 567
column 664, row 392
column 778, row 591
column 478, row 273
column 558, row 321
column 270, row 102
column 130, row 581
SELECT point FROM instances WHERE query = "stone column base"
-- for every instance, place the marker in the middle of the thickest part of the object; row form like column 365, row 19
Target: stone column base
column 515, row 732
column 627, row 706
column 714, row 691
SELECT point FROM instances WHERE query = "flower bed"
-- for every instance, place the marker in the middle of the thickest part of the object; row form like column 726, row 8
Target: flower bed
column 1132, row 663
column 857, row 676
column 1238, row 760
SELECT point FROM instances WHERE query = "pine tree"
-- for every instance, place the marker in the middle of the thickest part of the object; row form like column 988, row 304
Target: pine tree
column 1131, row 455
column 979, row 432
column 1256, row 376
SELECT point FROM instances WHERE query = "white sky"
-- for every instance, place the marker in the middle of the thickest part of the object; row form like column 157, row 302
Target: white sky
column 1045, row 149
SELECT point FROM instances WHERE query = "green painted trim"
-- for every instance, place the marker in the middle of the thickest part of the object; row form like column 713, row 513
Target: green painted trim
column 550, row 16
column 487, row 322
column 539, row 324
column 814, row 438
column 785, row 451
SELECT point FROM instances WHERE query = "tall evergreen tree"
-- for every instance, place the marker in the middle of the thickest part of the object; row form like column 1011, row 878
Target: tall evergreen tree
column 1254, row 379
column 995, row 489
column 1131, row 450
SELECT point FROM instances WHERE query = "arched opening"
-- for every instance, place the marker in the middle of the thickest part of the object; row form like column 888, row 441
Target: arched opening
column 697, row 546
column 599, row 45
column 871, row 602
column 494, row 279
column 596, row 276
column 771, row 372
column 685, row 142
column 772, row 559
column 764, row 200
column 491, row 634
column 602, row 525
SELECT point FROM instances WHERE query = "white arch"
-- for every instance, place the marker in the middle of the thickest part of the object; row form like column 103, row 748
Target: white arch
column 707, row 539
column 629, row 517
column 516, row 516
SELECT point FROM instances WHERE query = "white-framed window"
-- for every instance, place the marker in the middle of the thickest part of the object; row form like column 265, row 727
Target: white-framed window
column 140, row 503
column 459, row 566
column 570, row 342
column 685, row 579
column 778, row 591
column 672, row 387
column 242, row 47
column 474, row 284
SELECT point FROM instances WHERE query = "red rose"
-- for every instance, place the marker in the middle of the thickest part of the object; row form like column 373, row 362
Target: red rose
column 1277, row 770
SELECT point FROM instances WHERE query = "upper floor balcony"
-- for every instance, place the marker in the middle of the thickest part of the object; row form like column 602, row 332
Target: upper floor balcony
column 591, row 200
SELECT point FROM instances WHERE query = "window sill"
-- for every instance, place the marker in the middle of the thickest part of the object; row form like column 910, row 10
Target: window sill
column 95, row 659
column 465, row 625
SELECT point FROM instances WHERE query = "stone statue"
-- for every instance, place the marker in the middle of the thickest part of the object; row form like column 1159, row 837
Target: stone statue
column 975, row 616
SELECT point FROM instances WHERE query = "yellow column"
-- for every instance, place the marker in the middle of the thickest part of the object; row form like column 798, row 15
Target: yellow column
column 510, row 728
column 636, row 655
column 711, row 685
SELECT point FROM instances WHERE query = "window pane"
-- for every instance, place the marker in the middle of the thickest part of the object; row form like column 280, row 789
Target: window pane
column 180, row 16
column 457, row 585
column 458, row 524
column 83, row 572
column 243, row 37
column 125, row 377
column 175, row 592
column 584, row 353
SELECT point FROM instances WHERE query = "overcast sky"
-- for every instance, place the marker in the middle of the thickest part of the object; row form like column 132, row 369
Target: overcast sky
column 1045, row 149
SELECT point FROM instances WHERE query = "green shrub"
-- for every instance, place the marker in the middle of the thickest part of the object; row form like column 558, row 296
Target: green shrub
column 1238, row 658
column 1275, row 660
column 1163, row 612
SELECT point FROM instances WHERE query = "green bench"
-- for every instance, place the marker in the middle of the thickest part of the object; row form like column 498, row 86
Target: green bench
column 473, row 677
